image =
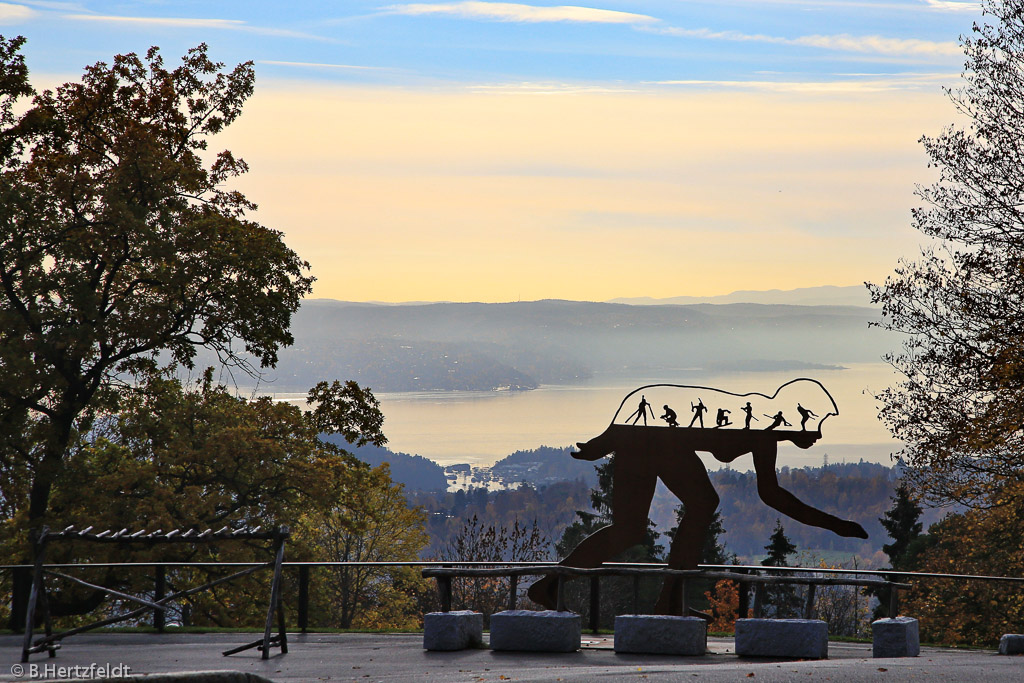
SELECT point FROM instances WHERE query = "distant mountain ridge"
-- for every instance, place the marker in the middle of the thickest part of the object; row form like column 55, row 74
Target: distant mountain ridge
column 826, row 295
column 522, row 345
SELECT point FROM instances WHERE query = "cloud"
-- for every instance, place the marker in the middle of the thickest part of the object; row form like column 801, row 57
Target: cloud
column 858, row 83
column 14, row 14
column 186, row 22
column 548, row 88
column 842, row 41
column 319, row 65
column 515, row 12
column 952, row 6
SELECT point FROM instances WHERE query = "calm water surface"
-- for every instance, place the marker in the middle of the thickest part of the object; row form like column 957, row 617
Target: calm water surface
column 482, row 427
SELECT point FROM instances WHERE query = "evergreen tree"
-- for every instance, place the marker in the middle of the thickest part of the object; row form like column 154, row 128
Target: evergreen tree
column 780, row 601
column 902, row 523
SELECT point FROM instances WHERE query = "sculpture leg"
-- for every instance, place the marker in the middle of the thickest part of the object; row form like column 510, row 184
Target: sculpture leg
column 633, row 485
column 686, row 477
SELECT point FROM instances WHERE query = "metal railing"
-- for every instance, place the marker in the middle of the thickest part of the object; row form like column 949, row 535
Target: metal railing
column 444, row 570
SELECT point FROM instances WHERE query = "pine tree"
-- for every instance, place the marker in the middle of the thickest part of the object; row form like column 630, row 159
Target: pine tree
column 902, row 523
column 779, row 548
column 781, row 600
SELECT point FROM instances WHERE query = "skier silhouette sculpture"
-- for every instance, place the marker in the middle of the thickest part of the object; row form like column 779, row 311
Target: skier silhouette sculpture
column 698, row 412
column 749, row 410
column 670, row 417
column 641, row 411
column 805, row 415
column 642, row 455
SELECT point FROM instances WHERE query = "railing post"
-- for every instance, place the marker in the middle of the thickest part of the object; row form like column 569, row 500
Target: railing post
column 444, row 587
column 894, row 602
column 159, row 591
column 560, row 602
column 743, row 609
column 636, row 594
column 685, row 606
column 758, row 600
column 809, row 607
column 513, row 589
column 595, row 602
column 303, row 611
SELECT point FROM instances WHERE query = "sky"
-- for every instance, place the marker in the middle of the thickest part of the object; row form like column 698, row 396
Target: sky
column 497, row 151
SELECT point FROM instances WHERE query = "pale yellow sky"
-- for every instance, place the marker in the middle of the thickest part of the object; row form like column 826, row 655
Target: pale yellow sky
column 529, row 192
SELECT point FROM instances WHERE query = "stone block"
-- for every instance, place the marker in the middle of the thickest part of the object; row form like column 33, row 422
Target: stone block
column 453, row 630
column 791, row 638
column 528, row 631
column 660, row 635
column 1011, row 644
column 899, row 637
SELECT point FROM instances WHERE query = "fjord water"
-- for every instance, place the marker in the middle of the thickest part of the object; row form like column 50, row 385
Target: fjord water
column 481, row 427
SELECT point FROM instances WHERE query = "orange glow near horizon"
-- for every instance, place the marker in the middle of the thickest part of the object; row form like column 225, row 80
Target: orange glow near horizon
column 459, row 195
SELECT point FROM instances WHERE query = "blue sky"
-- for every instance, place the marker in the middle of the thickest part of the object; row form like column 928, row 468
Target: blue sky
column 495, row 151
column 425, row 43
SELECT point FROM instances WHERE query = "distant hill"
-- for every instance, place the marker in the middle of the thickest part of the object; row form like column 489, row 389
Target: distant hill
column 543, row 466
column 516, row 346
column 828, row 295
column 415, row 472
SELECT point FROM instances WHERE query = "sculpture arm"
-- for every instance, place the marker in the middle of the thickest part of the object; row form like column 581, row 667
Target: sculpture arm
column 785, row 502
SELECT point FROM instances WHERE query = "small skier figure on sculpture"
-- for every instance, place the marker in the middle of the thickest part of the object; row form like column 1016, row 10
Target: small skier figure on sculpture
column 805, row 415
column 749, row 410
column 777, row 420
column 641, row 411
column 698, row 412
column 670, row 417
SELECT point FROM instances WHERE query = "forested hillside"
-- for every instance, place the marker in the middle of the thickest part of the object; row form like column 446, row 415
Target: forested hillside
column 546, row 486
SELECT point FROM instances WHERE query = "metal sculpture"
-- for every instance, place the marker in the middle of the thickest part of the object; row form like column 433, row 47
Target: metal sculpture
column 645, row 454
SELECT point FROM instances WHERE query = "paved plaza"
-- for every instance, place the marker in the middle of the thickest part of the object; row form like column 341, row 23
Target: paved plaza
column 400, row 657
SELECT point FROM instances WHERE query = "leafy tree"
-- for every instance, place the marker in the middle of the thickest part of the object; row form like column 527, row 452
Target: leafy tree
column 200, row 457
column 371, row 523
column 960, row 402
column 840, row 607
column 118, row 243
column 780, row 600
column 723, row 603
column 978, row 542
